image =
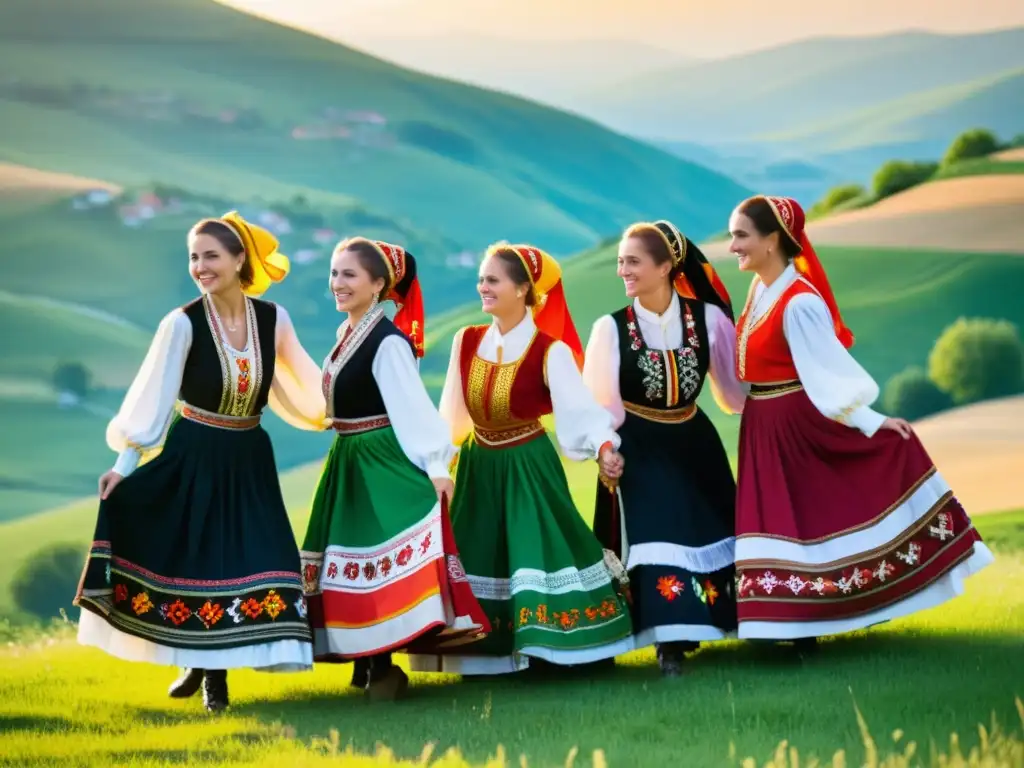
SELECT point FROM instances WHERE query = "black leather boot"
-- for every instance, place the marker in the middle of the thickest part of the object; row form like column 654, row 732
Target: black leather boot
column 215, row 690
column 360, row 673
column 671, row 657
column 387, row 682
column 187, row 685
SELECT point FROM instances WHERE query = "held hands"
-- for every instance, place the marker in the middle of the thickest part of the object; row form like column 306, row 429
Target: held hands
column 444, row 488
column 898, row 425
column 108, row 481
column 611, row 463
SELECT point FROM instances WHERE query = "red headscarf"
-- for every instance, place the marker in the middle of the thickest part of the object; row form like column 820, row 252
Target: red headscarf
column 405, row 292
column 793, row 221
column 551, row 312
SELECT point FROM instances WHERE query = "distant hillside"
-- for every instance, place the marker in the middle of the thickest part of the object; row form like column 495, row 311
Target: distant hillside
column 784, row 89
column 555, row 72
column 196, row 94
column 994, row 101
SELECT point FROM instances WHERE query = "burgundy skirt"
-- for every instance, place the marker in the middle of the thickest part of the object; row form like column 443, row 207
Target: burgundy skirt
column 837, row 531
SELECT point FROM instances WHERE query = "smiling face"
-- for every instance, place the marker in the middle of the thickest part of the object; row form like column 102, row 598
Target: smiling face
column 351, row 283
column 213, row 267
column 640, row 271
column 498, row 291
column 753, row 250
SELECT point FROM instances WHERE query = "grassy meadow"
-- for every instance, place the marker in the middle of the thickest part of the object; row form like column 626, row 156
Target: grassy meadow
column 940, row 672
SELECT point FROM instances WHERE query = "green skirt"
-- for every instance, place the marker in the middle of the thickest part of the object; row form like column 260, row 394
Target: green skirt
column 534, row 565
column 379, row 565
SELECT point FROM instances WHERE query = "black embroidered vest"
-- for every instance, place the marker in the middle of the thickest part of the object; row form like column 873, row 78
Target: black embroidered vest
column 658, row 379
column 352, row 389
column 206, row 381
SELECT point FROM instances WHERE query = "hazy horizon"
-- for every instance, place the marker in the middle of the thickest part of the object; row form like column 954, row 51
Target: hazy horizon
column 373, row 24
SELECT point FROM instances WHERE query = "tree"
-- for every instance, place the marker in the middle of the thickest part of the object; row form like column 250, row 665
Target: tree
column 73, row 378
column 978, row 359
column 911, row 395
column 47, row 581
column 977, row 142
column 898, row 175
column 836, row 197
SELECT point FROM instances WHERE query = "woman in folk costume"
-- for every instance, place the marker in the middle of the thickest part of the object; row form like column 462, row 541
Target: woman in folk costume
column 379, row 560
column 535, row 566
column 842, row 519
column 193, row 562
column 670, row 517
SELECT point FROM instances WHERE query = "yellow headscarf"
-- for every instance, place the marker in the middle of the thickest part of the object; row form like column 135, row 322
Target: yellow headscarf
column 268, row 265
column 551, row 312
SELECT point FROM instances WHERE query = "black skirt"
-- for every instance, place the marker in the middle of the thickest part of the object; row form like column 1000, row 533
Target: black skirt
column 677, row 501
column 194, row 552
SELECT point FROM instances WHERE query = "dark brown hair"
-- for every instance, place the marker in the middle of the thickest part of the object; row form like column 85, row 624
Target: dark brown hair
column 514, row 269
column 369, row 259
column 760, row 213
column 230, row 241
column 654, row 244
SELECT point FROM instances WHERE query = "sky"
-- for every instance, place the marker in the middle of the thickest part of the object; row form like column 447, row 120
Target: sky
column 693, row 27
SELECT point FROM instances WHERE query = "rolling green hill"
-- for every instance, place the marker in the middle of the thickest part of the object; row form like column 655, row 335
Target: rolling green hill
column 995, row 101
column 192, row 93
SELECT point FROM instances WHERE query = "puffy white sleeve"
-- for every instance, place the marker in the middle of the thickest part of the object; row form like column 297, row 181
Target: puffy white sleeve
column 729, row 392
column 296, row 392
column 141, row 423
column 601, row 368
column 581, row 425
column 421, row 432
column 835, row 383
column 453, row 401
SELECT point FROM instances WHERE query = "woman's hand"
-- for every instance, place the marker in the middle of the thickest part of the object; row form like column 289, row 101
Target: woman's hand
column 108, row 482
column 612, row 463
column 902, row 426
column 444, row 488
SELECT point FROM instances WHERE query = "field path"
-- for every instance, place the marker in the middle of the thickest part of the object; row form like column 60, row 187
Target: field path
column 979, row 449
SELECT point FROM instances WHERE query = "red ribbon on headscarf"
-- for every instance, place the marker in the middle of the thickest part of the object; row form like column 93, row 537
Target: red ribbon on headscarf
column 407, row 294
column 793, row 221
column 551, row 313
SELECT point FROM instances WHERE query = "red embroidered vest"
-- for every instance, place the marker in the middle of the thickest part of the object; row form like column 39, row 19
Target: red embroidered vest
column 762, row 352
column 500, row 397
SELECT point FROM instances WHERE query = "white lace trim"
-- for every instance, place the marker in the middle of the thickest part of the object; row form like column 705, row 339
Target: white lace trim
column 531, row 579
column 706, row 559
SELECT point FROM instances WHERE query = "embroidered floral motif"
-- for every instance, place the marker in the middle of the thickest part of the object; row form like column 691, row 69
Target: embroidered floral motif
column 568, row 619
column 301, row 607
column 425, row 544
column 273, row 604
column 385, row 566
column 242, row 383
column 655, row 366
column 369, row 571
column 120, row 593
column 710, row 592
column 251, row 608
column 210, row 614
column 524, row 616
column 311, row 577
column 404, row 556
column 332, row 570
column 177, row 612
column 351, row 571
column 864, row 577
column 670, row 587
column 141, row 603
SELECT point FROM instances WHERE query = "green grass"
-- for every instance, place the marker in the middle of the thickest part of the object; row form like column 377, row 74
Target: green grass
column 497, row 166
column 981, row 166
column 941, row 671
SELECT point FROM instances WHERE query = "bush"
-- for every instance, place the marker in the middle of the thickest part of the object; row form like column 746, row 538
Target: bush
column 977, row 142
column 1016, row 142
column 71, row 377
column 978, row 359
column 898, row 175
column 835, row 197
column 47, row 581
column 911, row 395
